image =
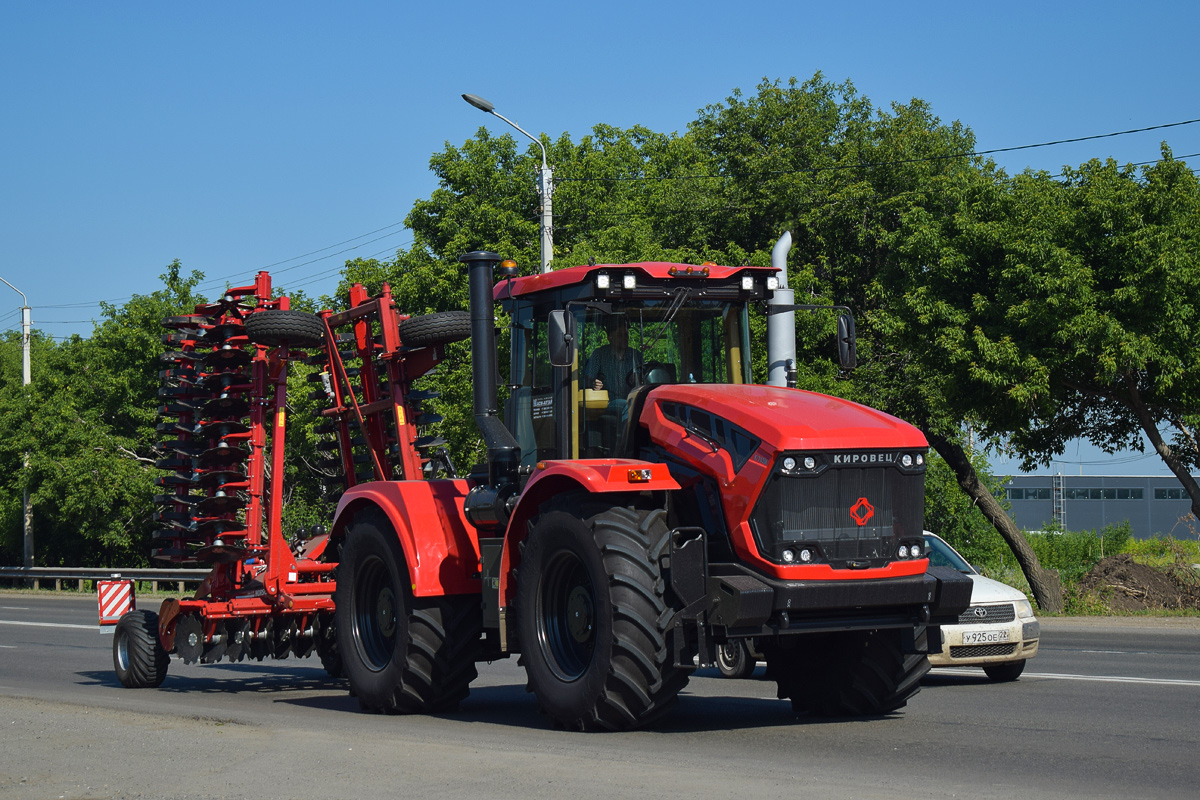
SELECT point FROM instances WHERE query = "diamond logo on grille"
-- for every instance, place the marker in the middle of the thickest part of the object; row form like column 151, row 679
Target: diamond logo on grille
column 862, row 511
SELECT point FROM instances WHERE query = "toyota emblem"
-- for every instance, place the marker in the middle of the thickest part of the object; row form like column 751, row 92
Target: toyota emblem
column 979, row 612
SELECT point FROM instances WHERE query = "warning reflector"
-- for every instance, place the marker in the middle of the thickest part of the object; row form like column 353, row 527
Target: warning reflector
column 116, row 598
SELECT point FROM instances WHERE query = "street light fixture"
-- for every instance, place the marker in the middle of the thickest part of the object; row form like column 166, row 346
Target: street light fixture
column 545, row 180
column 25, row 377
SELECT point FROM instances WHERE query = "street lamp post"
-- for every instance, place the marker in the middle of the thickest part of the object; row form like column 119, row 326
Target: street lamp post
column 545, row 181
column 28, row 511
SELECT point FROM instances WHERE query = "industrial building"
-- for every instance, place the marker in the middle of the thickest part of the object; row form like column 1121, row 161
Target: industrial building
column 1152, row 504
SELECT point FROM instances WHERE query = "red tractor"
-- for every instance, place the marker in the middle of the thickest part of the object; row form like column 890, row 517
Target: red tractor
column 641, row 505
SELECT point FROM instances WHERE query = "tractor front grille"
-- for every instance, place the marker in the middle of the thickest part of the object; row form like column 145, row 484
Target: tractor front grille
column 848, row 511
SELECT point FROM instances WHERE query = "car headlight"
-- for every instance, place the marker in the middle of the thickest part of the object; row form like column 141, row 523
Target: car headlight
column 1024, row 609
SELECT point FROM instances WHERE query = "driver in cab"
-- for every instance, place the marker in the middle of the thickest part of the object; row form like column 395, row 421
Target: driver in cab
column 614, row 367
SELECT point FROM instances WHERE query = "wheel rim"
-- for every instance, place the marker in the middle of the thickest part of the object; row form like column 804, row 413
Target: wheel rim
column 375, row 613
column 729, row 655
column 567, row 617
column 123, row 651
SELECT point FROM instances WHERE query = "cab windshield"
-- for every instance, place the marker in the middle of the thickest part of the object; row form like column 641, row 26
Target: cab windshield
column 659, row 341
column 622, row 347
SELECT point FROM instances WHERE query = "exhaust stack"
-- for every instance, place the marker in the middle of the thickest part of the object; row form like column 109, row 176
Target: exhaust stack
column 486, row 505
column 781, row 328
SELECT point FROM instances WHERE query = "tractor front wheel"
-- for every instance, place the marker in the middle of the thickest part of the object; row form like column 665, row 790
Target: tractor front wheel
column 593, row 620
column 861, row 673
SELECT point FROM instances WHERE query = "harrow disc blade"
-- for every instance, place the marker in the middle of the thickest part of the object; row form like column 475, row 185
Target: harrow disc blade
column 237, row 638
column 189, row 639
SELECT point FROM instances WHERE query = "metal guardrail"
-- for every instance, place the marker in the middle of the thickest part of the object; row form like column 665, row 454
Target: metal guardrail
column 35, row 575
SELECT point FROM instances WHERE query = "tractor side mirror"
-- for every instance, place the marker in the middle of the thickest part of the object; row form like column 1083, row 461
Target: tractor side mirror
column 561, row 338
column 847, row 346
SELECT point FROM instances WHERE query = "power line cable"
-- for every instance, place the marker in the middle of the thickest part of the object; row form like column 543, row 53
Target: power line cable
column 863, row 165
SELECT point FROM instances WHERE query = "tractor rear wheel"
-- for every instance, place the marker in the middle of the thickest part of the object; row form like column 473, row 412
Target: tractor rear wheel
column 847, row 674
column 402, row 654
column 327, row 646
column 138, row 656
column 593, row 620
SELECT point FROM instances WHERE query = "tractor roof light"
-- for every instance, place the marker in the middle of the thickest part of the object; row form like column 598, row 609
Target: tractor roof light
column 628, row 281
column 603, row 281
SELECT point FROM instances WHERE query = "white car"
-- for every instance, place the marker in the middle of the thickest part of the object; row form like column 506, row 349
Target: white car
column 997, row 631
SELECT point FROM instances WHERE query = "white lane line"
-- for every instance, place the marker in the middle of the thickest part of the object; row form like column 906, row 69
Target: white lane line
column 49, row 625
column 13, row 608
column 1058, row 676
column 9, row 646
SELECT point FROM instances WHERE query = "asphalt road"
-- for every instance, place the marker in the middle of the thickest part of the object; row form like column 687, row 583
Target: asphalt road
column 1108, row 709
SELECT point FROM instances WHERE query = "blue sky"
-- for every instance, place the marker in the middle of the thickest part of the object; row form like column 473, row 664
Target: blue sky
column 234, row 136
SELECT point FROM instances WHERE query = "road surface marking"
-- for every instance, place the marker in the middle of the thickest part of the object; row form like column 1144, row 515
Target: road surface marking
column 1058, row 676
column 13, row 608
column 49, row 625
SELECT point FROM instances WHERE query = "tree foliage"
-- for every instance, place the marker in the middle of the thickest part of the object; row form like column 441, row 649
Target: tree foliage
column 86, row 424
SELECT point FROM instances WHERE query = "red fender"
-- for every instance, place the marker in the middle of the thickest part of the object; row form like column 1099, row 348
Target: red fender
column 552, row 478
column 440, row 547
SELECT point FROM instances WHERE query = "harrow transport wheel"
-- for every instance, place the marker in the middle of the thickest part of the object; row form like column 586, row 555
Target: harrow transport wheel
column 431, row 329
column 402, row 654
column 592, row 617
column 847, row 674
column 138, row 656
column 734, row 661
column 293, row 328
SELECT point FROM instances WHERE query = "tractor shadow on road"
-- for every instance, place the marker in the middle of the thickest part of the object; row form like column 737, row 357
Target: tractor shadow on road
column 227, row 678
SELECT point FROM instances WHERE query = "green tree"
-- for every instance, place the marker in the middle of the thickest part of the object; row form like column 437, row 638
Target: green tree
column 87, row 423
column 1099, row 292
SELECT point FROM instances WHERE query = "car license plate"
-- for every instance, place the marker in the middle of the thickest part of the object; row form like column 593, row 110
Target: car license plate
column 984, row 637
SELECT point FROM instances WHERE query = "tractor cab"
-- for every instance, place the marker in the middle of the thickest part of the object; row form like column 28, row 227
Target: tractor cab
column 590, row 343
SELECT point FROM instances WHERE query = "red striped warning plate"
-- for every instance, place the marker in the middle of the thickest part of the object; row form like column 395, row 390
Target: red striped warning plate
column 116, row 598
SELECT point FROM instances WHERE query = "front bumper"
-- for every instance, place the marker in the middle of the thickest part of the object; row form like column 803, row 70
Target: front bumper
column 976, row 645
column 743, row 602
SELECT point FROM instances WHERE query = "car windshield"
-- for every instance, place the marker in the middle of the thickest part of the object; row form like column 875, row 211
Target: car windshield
column 943, row 555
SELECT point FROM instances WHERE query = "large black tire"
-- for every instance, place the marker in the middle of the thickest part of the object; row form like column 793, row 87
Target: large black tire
column 402, row 654
column 847, row 674
column 734, row 661
column 443, row 327
column 138, row 655
column 293, row 328
column 327, row 646
column 592, row 618
column 1007, row 671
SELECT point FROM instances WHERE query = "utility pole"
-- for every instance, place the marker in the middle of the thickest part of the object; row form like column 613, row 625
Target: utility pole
column 545, row 181
column 25, row 377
